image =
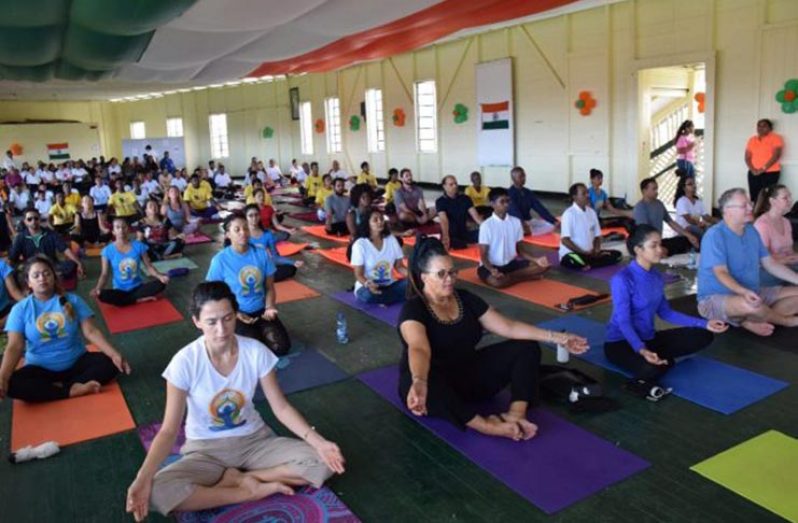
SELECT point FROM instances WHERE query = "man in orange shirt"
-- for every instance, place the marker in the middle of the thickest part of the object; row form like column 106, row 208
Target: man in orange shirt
column 762, row 155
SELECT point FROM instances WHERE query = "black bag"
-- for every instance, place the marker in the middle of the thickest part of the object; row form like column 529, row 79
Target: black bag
column 581, row 391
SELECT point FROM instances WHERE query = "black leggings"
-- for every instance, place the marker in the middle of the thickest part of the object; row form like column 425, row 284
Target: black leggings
column 122, row 298
column 578, row 262
column 36, row 384
column 677, row 245
column 159, row 251
column 271, row 333
column 337, row 228
column 668, row 344
column 759, row 182
column 284, row 272
column 452, row 394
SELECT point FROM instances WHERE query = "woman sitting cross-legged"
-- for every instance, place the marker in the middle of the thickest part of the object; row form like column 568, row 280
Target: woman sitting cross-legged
column 163, row 240
column 90, row 226
column 249, row 272
column 376, row 253
column 230, row 455
column 123, row 259
column 46, row 328
column 441, row 372
column 285, row 266
column 638, row 295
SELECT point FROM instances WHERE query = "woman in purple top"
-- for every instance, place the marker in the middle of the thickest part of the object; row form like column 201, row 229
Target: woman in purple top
column 638, row 295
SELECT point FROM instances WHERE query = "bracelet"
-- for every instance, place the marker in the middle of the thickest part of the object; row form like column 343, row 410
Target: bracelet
column 310, row 429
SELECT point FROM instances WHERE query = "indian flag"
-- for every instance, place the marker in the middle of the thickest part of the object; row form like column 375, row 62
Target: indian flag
column 495, row 116
column 58, row 151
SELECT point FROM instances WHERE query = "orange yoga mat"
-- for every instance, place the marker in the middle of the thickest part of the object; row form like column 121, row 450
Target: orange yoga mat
column 290, row 248
column 552, row 239
column 338, row 255
column 471, row 253
column 292, row 290
column 318, row 231
column 548, row 293
column 139, row 316
column 72, row 420
column 89, row 252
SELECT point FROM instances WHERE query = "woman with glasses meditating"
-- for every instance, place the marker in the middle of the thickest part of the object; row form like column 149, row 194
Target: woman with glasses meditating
column 441, row 372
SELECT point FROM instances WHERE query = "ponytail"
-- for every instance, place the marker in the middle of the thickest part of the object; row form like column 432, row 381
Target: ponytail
column 762, row 204
column 425, row 249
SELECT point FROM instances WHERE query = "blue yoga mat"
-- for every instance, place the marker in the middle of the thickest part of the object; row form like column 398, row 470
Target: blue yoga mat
column 304, row 369
column 707, row 382
column 388, row 314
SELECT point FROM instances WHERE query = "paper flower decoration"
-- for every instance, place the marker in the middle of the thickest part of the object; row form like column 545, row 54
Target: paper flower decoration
column 788, row 97
column 354, row 123
column 585, row 103
column 16, row 149
column 319, row 126
column 268, row 132
column 460, row 113
column 399, row 117
column 700, row 97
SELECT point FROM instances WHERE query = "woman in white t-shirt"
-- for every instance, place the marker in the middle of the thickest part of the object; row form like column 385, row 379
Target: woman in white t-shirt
column 230, row 455
column 690, row 213
column 376, row 254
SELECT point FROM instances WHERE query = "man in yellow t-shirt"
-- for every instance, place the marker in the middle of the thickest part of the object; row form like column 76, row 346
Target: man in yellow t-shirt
column 365, row 176
column 199, row 196
column 392, row 185
column 124, row 202
column 312, row 183
column 324, row 191
column 62, row 214
column 476, row 191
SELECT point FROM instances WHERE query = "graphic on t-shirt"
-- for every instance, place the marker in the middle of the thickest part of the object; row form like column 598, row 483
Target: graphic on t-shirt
column 50, row 325
column 251, row 280
column 225, row 409
column 381, row 274
column 128, row 268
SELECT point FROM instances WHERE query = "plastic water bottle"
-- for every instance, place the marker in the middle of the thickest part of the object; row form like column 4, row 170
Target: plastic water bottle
column 563, row 356
column 692, row 260
column 340, row 329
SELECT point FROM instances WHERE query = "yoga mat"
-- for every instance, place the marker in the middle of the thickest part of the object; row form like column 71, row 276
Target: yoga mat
column 196, row 238
column 547, row 293
column 71, row 420
column 165, row 266
column 560, row 466
column 761, row 470
column 309, row 216
column 319, row 232
column 704, row 381
column 304, row 369
column 290, row 248
column 552, row 239
column 89, row 252
column 385, row 313
column 292, row 290
column 139, row 316
column 338, row 255
column 307, row 505
column 470, row 253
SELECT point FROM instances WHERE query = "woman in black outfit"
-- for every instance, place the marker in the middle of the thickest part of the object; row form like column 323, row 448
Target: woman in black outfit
column 90, row 224
column 441, row 372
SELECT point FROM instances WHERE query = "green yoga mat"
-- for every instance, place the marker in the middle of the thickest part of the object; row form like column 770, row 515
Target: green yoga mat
column 165, row 266
column 761, row 470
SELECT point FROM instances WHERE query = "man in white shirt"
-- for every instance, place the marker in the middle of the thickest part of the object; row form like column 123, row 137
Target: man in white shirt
column 274, row 173
column 296, row 170
column 32, row 178
column 8, row 161
column 336, row 172
column 100, row 193
column 503, row 261
column 179, row 182
column 580, row 235
column 224, row 185
column 19, row 198
column 150, row 185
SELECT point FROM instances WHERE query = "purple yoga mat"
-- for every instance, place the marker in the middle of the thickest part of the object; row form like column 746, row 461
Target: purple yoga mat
column 605, row 273
column 561, row 465
column 388, row 314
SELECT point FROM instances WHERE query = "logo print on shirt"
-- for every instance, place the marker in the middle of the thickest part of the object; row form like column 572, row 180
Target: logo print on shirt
column 381, row 272
column 128, row 268
column 226, row 409
column 251, row 280
column 50, row 325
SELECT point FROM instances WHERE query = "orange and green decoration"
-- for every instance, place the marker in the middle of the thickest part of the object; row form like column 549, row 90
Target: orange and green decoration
column 585, row 103
column 460, row 113
column 267, row 132
column 399, row 117
column 788, row 97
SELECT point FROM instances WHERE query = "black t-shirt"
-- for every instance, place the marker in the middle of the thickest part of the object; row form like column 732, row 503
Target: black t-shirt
column 456, row 210
column 451, row 344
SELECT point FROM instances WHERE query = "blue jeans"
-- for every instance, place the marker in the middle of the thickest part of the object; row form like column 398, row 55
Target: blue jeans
column 393, row 293
column 688, row 167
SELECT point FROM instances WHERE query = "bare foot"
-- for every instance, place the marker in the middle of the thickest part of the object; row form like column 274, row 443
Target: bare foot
column 506, row 429
column 82, row 389
column 260, row 490
column 528, row 429
column 146, row 298
column 760, row 328
column 231, row 478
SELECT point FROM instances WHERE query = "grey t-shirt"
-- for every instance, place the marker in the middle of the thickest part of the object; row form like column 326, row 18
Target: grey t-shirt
column 651, row 213
column 409, row 198
column 337, row 206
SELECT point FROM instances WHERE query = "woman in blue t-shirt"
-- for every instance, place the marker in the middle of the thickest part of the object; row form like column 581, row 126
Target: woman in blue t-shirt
column 123, row 259
column 249, row 272
column 285, row 267
column 9, row 292
column 46, row 327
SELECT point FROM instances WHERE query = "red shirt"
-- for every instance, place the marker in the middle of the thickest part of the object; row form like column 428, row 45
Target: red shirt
column 266, row 215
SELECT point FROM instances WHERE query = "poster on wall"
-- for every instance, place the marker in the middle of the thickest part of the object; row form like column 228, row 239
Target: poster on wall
column 495, row 129
column 135, row 147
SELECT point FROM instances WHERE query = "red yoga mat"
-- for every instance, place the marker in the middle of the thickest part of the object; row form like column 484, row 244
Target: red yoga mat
column 292, row 290
column 139, row 316
column 193, row 239
column 290, row 248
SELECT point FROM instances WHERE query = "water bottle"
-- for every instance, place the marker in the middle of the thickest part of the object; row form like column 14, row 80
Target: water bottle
column 692, row 261
column 340, row 329
column 562, row 353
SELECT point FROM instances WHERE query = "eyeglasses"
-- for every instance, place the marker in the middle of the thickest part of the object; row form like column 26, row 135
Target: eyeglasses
column 30, row 219
column 443, row 273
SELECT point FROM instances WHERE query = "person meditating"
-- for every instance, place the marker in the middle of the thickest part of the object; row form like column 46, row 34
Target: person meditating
column 46, row 328
column 230, row 455
column 580, row 235
column 454, row 209
column 443, row 375
column 249, row 272
column 123, row 260
column 503, row 260
column 638, row 295
column 90, row 227
column 376, row 254
column 775, row 230
column 479, row 195
column 163, row 241
column 336, row 207
column 10, row 292
column 285, row 266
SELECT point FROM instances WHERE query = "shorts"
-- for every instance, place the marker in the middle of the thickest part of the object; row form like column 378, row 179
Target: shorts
column 515, row 265
column 713, row 307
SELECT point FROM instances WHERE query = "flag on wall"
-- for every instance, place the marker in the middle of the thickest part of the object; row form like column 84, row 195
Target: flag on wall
column 58, row 151
column 495, row 115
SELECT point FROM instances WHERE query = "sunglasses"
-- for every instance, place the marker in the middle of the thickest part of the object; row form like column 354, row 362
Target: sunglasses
column 443, row 273
column 31, row 218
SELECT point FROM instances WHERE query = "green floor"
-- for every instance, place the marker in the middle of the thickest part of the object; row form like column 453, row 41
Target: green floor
column 398, row 471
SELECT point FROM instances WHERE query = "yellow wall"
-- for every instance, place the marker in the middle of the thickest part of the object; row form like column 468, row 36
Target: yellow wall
column 83, row 140
column 748, row 45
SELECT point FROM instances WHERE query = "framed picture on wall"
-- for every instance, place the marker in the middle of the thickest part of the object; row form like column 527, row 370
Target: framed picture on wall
column 293, row 94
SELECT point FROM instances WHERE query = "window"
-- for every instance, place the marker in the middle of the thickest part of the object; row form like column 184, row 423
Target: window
column 426, row 110
column 218, row 127
column 174, row 127
column 138, row 130
column 375, row 126
column 305, row 128
column 332, row 113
